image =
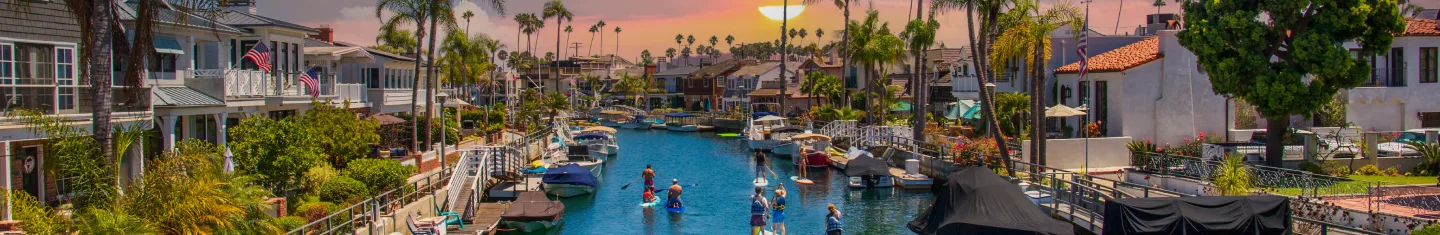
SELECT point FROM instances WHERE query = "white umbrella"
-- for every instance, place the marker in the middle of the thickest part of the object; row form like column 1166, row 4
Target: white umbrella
column 1061, row 110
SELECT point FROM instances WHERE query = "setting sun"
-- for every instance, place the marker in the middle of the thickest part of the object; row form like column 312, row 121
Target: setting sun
column 777, row 12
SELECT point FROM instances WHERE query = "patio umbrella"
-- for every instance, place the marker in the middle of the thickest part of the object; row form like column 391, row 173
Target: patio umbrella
column 974, row 112
column 959, row 109
column 1061, row 111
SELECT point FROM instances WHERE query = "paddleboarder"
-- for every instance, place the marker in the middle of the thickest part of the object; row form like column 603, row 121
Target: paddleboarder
column 674, row 198
column 832, row 222
column 777, row 217
column 649, row 195
column 649, row 176
column 759, row 164
column 758, row 207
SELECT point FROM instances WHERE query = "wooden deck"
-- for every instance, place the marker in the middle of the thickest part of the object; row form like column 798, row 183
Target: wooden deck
column 487, row 216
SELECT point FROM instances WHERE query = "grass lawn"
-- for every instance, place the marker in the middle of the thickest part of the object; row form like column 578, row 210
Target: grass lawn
column 1358, row 187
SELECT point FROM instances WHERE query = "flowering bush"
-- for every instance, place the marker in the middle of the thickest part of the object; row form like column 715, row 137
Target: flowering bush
column 970, row 152
column 1141, row 146
column 1193, row 147
column 1092, row 129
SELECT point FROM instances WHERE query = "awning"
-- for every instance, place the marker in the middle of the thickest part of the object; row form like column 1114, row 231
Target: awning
column 167, row 46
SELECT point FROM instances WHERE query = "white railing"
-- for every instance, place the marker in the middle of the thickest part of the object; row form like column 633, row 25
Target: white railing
column 352, row 92
column 247, row 83
column 964, row 84
column 207, row 73
column 469, row 160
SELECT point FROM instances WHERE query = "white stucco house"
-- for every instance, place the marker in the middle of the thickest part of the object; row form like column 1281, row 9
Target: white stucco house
column 1151, row 90
column 1402, row 91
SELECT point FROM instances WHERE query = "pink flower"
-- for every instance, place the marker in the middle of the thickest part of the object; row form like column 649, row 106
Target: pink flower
column 1187, row 139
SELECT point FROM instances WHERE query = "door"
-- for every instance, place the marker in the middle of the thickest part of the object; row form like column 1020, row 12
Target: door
column 28, row 164
column 1102, row 106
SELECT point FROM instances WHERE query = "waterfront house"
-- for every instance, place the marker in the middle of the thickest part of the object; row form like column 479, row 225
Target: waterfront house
column 755, row 76
column 39, row 71
column 672, row 79
column 1402, row 89
column 704, row 86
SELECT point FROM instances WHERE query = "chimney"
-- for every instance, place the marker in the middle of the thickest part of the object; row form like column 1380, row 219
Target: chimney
column 327, row 34
column 662, row 64
column 247, row 6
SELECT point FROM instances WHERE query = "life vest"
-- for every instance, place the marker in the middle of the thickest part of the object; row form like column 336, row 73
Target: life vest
column 779, row 204
column 832, row 223
column 756, row 207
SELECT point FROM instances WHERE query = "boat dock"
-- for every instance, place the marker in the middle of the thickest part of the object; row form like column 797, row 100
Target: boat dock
column 487, row 217
column 902, row 179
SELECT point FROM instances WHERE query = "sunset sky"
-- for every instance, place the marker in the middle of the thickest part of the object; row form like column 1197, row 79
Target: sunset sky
column 652, row 24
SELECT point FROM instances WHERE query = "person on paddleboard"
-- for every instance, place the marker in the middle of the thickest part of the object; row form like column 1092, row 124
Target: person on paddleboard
column 674, row 193
column 832, row 222
column 649, row 176
column 777, row 217
column 759, row 164
column 758, row 207
column 649, row 195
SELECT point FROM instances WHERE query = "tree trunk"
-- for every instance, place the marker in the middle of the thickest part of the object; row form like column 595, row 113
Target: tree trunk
column 1038, row 91
column 558, row 53
column 784, row 85
column 430, row 82
column 101, row 18
column 986, row 99
column 1275, row 130
column 415, row 89
column 917, row 84
column 845, row 56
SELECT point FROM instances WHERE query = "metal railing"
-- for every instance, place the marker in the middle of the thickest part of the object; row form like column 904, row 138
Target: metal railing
column 364, row 214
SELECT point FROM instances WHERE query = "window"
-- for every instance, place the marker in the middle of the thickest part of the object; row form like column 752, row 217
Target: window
column 1397, row 67
column 232, row 51
column 65, row 66
column 166, row 64
column 1429, row 119
column 274, row 57
column 1428, row 66
column 66, row 99
column 245, row 47
column 7, row 64
column 281, row 114
column 34, row 64
column 372, row 77
column 1084, row 93
column 720, row 81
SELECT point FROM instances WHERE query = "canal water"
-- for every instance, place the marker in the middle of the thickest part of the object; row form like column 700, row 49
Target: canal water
column 719, row 204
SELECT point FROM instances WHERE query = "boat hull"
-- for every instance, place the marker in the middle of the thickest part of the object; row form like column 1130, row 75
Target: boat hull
column 788, row 149
column 763, row 144
column 532, row 227
column 882, row 182
column 633, row 125
column 812, row 160
column 685, row 128
column 608, row 123
column 568, row 190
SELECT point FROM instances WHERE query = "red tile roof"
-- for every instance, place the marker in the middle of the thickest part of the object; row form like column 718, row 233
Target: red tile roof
column 1120, row 59
column 1421, row 27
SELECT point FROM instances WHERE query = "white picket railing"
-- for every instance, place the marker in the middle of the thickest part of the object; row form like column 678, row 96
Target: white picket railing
column 352, row 92
column 247, row 83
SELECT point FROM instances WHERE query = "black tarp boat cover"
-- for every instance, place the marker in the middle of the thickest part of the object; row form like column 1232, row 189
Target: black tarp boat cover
column 788, row 129
column 569, row 174
column 866, row 165
column 1198, row 215
column 975, row 200
column 533, row 206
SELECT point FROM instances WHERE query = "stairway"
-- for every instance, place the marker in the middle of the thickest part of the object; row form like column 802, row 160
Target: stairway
column 464, row 202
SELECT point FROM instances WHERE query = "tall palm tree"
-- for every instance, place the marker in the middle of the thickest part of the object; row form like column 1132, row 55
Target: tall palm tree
column 593, row 29
column 679, row 39
column 921, row 35
column 405, row 12
column 568, row 30
column 617, row 45
column 686, row 53
column 602, row 36
column 989, row 12
column 442, row 14
column 556, row 9
column 1026, row 37
column 493, row 49
column 690, row 42
column 730, row 40
column 803, row 33
column 467, row 15
column 522, row 21
column 670, row 53
column 819, row 33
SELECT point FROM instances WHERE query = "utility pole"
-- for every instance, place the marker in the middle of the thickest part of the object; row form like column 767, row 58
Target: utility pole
column 577, row 47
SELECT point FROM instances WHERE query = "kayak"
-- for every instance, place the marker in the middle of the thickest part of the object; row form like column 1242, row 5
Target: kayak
column 761, row 182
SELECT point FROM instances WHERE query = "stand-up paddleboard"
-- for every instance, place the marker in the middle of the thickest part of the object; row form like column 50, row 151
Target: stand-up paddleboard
column 675, row 208
column 799, row 180
column 761, row 182
column 651, row 204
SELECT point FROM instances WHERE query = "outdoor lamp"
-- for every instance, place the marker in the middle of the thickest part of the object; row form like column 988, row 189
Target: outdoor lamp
column 442, row 97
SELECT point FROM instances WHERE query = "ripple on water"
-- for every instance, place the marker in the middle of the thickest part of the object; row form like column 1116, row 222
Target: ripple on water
column 722, row 168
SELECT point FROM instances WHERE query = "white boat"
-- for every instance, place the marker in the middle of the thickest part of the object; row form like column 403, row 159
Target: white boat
column 614, row 118
column 758, row 130
column 879, row 182
column 600, row 140
column 682, row 122
column 812, row 150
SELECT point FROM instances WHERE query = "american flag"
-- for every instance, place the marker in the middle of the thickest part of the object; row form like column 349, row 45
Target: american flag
column 309, row 79
column 261, row 55
column 1080, row 49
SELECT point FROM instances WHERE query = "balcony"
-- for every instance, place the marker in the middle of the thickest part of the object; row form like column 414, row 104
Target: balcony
column 965, row 88
column 1386, row 77
column 236, row 84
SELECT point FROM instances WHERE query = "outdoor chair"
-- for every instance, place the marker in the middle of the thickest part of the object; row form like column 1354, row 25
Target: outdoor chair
column 416, row 229
column 451, row 218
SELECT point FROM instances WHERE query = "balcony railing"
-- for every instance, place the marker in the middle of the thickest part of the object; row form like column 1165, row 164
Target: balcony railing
column 235, row 83
column 1386, row 77
column 964, row 84
column 351, row 92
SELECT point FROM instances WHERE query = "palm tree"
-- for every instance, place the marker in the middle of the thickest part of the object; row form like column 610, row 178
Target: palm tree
column 1026, row 37
column 602, row 36
column 404, row 12
column 844, row 5
column 873, row 46
column 593, row 29
column 730, row 40
column 803, row 34
column 556, row 9
column 617, row 45
column 467, row 17
column 686, row 53
column 493, row 49
column 989, row 12
column 442, row 14
column 819, row 33
column 921, row 34
column 678, row 40
column 522, row 21
column 670, row 53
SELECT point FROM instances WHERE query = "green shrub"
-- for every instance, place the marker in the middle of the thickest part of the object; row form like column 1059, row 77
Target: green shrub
column 1433, row 229
column 316, row 176
column 314, row 210
column 1368, row 169
column 35, row 217
column 343, row 189
column 378, row 174
column 1392, row 172
column 289, row 222
column 1342, row 171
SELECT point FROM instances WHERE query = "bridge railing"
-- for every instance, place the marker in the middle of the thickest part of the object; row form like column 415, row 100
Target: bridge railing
column 363, row 214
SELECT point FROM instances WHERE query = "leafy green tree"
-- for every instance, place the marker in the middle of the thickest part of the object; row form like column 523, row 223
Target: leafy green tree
column 873, row 46
column 277, row 151
column 821, row 84
column 1012, row 108
column 1026, row 38
column 379, row 174
column 1285, row 57
column 341, row 135
column 343, row 190
column 1233, row 177
column 646, row 58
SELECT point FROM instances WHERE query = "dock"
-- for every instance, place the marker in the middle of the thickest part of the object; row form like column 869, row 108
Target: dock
column 506, row 191
column 902, row 179
column 487, row 217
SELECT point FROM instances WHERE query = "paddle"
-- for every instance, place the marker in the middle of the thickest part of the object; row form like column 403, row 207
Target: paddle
column 627, row 185
column 657, row 191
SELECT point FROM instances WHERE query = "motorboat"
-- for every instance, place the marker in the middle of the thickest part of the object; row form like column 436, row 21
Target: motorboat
column 638, row 122
column 614, row 118
column 532, row 213
column 812, row 150
column 759, row 128
column 786, row 146
column 608, row 142
column 868, row 172
column 682, row 122
column 571, row 179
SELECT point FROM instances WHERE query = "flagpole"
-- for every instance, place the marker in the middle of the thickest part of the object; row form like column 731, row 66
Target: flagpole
column 1085, row 59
